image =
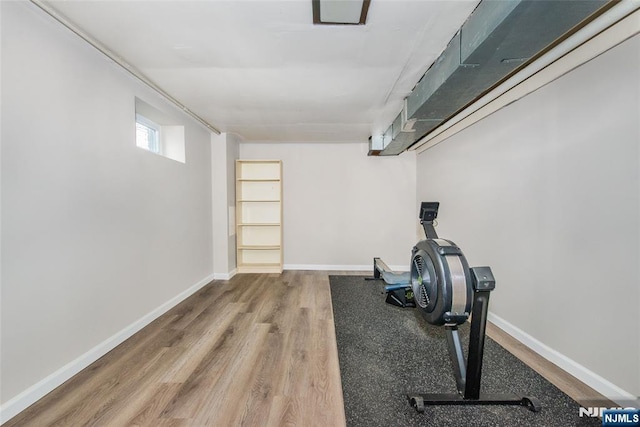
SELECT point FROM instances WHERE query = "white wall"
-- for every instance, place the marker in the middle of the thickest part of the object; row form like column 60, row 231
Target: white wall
column 96, row 233
column 233, row 153
column 547, row 192
column 342, row 208
column 224, row 152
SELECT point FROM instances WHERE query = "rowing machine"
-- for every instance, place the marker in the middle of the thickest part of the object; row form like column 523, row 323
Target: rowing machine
column 446, row 292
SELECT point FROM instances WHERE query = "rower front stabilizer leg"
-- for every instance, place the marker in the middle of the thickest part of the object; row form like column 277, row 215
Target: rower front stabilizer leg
column 421, row 401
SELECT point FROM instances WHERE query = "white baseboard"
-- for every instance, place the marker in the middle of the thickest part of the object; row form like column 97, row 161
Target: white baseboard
column 225, row 276
column 19, row 403
column 367, row 267
column 590, row 378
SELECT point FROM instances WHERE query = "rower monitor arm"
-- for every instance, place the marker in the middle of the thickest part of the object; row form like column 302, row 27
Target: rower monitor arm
column 428, row 213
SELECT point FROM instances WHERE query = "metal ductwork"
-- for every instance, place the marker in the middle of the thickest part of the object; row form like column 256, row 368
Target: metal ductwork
column 498, row 37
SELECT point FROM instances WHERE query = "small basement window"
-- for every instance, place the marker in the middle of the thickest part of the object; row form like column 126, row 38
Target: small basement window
column 147, row 134
column 159, row 132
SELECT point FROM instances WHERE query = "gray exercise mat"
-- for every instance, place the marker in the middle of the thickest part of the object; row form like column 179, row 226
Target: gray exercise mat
column 387, row 351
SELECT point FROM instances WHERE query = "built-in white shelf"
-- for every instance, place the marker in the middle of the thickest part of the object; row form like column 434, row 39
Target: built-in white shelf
column 259, row 216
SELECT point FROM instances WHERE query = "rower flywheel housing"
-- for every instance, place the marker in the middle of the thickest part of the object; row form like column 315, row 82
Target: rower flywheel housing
column 441, row 282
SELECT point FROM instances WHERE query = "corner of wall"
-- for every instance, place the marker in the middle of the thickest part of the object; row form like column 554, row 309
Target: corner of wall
column 224, row 152
column 233, row 149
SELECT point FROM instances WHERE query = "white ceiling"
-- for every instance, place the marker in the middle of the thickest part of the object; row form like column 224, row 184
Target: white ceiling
column 261, row 69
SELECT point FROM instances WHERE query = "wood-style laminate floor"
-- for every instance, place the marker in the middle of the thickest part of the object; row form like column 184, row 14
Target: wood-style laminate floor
column 258, row 350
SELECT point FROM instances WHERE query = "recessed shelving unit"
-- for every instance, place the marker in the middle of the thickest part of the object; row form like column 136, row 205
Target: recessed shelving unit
column 259, row 216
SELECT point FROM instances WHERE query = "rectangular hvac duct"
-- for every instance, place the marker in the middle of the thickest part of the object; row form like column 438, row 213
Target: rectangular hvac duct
column 498, row 37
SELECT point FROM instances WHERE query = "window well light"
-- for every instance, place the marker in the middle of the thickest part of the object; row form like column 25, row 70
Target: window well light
column 340, row 12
